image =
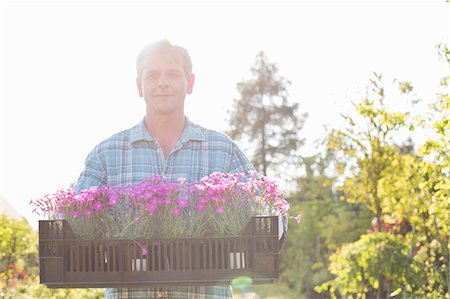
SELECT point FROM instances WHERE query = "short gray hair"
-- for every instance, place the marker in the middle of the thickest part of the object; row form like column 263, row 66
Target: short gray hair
column 166, row 49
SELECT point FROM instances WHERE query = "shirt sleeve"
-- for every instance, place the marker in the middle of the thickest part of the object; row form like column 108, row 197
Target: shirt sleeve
column 239, row 162
column 94, row 173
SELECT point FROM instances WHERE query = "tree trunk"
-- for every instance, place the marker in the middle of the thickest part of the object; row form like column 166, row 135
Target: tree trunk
column 263, row 143
column 448, row 274
column 380, row 290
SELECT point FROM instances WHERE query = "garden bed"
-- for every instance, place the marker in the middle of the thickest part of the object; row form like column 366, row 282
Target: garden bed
column 69, row 262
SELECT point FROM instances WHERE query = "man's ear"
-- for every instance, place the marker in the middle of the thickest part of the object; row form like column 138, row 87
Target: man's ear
column 190, row 86
column 139, row 87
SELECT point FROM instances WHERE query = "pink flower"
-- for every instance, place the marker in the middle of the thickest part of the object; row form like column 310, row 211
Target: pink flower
column 200, row 207
column 152, row 207
column 183, row 203
column 218, row 192
column 76, row 214
column 113, row 201
column 220, row 210
column 98, row 206
column 144, row 250
column 176, row 212
column 298, row 219
column 167, row 200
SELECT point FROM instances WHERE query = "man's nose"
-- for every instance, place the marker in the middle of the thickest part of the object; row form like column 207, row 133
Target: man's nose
column 163, row 80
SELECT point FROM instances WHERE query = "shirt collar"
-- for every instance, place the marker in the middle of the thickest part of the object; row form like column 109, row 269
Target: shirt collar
column 191, row 132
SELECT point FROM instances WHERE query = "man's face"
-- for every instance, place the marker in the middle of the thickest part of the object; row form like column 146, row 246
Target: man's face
column 164, row 85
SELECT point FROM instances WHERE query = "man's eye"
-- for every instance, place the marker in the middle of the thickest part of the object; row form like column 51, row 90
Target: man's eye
column 152, row 76
column 174, row 75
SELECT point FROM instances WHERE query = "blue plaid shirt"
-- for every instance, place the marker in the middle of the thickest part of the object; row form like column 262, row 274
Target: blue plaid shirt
column 133, row 155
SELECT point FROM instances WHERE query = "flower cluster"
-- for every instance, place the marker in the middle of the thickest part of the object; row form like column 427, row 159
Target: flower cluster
column 219, row 204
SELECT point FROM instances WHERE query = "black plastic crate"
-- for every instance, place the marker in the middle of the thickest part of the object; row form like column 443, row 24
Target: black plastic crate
column 69, row 262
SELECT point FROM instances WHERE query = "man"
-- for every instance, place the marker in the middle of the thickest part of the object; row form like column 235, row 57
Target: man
column 164, row 143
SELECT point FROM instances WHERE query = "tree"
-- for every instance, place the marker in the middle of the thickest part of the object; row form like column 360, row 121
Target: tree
column 326, row 224
column 18, row 253
column 435, row 168
column 365, row 148
column 373, row 255
column 366, row 154
column 19, row 266
column 408, row 194
column 264, row 116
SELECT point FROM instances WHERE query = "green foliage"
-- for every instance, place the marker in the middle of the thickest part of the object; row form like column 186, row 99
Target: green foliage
column 264, row 115
column 326, row 224
column 34, row 290
column 405, row 87
column 18, row 248
column 19, row 266
column 409, row 195
column 364, row 151
column 435, row 168
column 358, row 266
column 430, row 270
column 316, row 184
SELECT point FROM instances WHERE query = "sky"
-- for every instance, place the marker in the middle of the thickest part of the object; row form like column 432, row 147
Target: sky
column 67, row 69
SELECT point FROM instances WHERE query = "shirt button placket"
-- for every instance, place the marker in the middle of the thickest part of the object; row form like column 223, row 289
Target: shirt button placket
column 167, row 172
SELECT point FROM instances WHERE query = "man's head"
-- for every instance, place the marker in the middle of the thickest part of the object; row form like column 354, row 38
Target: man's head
column 164, row 78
